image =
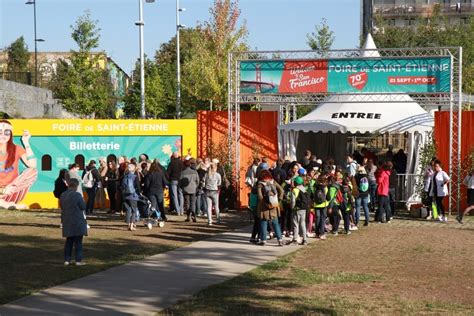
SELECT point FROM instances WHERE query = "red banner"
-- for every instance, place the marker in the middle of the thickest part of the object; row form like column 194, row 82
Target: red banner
column 304, row 76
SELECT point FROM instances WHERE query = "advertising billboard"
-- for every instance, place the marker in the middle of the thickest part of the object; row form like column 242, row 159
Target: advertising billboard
column 374, row 75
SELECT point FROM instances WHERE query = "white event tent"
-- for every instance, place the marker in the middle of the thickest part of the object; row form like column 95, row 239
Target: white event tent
column 328, row 127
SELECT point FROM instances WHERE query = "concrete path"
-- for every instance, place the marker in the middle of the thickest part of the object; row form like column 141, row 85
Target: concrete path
column 148, row 286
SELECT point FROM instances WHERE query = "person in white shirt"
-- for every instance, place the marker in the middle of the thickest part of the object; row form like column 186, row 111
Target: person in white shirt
column 439, row 188
column 469, row 183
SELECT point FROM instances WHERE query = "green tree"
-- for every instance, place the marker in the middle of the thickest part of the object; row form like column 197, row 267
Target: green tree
column 205, row 73
column 153, row 93
column 165, row 59
column 322, row 38
column 82, row 85
column 437, row 33
column 18, row 59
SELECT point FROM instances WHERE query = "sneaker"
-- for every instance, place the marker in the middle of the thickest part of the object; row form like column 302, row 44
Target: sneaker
column 429, row 217
column 252, row 240
column 459, row 219
column 66, row 263
column 388, row 222
column 391, row 218
column 335, row 233
column 187, row 220
column 304, row 243
column 348, row 232
column 209, row 224
column 292, row 242
column 445, row 219
column 280, row 243
column 262, row 243
column 366, row 224
column 311, row 235
column 323, row 237
column 80, row 263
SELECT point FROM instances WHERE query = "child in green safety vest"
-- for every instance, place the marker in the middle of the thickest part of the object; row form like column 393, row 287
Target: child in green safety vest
column 335, row 193
column 320, row 203
column 300, row 204
column 312, row 213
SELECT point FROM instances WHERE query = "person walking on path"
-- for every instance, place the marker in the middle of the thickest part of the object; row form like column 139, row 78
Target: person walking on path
column 212, row 182
column 300, row 204
column 90, row 181
column 175, row 168
column 439, row 189
column 269, row 194
column 469, row 183
column 189, row 182
column 74, row 224
column 155, row 183
column 130, row 191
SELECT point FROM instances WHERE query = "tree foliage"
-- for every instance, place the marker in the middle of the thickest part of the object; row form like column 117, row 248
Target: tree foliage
column 322, row 38
column 434, row 32
column 82, row 85
column 154, row 106
column 18, row 59
column 205, row 73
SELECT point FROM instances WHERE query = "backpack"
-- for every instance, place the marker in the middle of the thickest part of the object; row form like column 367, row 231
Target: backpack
column 363, row 185
column 128, row 185
column 270, row 199
column 319, row 194
column 303, row 201
column 88, row 180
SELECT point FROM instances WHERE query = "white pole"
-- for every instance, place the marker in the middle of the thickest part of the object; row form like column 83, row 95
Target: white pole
column 178, row 65
column 142, row 62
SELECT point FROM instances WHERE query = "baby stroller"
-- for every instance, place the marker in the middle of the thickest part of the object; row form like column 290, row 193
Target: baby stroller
column 151, row 217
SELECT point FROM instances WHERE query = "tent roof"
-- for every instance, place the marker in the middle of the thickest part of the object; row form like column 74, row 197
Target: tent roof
column 370, row 117
column 365, row 117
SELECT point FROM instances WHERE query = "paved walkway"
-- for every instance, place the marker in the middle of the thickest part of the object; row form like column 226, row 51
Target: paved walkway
column 146, row 287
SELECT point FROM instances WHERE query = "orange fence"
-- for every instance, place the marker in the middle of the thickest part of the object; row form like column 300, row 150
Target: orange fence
column 442, row 139
column 258, row 136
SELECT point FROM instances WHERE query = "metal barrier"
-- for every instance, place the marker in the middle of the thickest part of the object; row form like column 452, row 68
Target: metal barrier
column 407, row 185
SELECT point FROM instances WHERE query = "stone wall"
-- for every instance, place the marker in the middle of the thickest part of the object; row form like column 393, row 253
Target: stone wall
column 24, row 101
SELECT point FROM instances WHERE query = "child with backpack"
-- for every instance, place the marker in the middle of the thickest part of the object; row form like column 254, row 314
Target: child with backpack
column 300, row 204
column 347, row 205
column 335, row 196
column 286, row 214
column 312, row 212
column 362, row 199
column 320, row 202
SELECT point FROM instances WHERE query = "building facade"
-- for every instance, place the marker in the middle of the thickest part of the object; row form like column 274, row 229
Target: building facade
column 406, row 13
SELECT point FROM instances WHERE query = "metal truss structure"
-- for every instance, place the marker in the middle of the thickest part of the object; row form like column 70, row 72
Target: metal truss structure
column 288, row 102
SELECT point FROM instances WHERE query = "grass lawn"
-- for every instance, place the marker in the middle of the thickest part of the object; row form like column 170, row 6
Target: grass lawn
column 31, row 246
column 407, row 267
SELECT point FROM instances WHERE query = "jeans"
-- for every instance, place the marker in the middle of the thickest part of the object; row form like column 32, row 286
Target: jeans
column 373, row 194
column 177, row 195
column 212, row 198
column 391, row 195
column 201, row 203
column 190, row 204
column 75, row 241
column 112, row 193
column 256, row 234
column 131, row 208
column 321, row 214
column 286, row 221
column 157, row 202
column 364, row 202
column 276, row 228
column 346, row 216
column 384, row 207
column 91, row 193
column 299, row 224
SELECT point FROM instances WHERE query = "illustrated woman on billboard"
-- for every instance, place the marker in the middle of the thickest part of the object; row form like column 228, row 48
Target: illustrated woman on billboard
column 13, row 185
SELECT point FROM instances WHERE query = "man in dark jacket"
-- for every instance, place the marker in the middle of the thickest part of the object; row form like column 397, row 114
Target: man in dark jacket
column 279, row 175
column 189, row 183
column 175, row 168
column 73, row 222
column 91, row 180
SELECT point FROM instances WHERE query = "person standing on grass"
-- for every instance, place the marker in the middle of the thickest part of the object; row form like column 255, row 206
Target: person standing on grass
column 371, row 169
column 101, row 184
column 212, row 182
column 469, row 183
column 60, row 185
column 130, row 188
column 73, row 173
column 392, row 186
column 90, row 181
column 155, row 184
column 383, row 177
column 111, row 179
column 189, row 182
column 74, row 224
column 175, row 168
column 269, row 194
column 362, row 199
column 321, row 202
column 439, row 189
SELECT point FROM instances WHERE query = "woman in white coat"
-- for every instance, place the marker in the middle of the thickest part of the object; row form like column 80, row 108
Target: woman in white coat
column 439, row 189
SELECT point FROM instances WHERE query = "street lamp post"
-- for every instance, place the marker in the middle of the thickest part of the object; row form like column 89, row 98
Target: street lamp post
column 33, row 2
column 178, row 61
column 140, row 25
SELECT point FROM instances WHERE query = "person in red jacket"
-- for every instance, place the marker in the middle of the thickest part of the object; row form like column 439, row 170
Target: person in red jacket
column 383, row 185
